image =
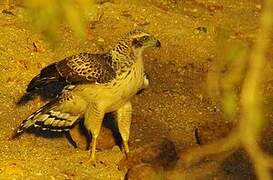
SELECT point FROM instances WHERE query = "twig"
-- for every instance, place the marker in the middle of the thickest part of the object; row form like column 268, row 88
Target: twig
column 227, row 144
column 251, row 122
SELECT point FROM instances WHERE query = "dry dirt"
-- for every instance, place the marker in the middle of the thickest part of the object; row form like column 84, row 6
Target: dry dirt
column 175, row 106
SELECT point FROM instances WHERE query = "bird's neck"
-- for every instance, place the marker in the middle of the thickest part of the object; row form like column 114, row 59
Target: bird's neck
column 124, row 57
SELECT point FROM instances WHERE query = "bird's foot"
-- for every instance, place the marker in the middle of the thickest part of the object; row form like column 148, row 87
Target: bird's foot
column 126, row 148
column 92, row 159
column 93, row 162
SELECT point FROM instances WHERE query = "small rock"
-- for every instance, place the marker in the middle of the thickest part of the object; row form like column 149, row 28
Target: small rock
column 213, row 131
column 258, row 6
column 106, row 139
column 104, row 1
column 82, row 139
column 158, row 154
column 144, row 172
column 13, row 168
column 101, row 40
column 126, row 13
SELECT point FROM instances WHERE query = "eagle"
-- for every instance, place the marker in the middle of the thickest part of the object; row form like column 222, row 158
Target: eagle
column 89, row 85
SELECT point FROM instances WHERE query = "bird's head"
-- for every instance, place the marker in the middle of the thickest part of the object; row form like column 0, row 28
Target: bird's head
column 136, row 40
column 140, row 39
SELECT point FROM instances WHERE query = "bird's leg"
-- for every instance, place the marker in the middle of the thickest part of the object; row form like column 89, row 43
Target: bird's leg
column 124, row 116
column 93, row 150
column 93, row 120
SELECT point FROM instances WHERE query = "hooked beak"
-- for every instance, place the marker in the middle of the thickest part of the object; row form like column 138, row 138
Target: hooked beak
column 154, row 42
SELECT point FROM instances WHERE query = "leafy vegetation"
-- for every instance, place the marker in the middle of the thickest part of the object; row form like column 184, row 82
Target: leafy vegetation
column 47, row 16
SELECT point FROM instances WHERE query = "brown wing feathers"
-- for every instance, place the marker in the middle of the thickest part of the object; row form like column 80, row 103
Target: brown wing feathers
column 86, row 68
column 81, row 68
column 48, row 75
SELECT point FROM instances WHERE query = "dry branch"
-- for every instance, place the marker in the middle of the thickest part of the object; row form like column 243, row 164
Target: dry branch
column 247, row 135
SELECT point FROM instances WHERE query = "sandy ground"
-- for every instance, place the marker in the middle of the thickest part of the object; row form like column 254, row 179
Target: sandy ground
column 173, row 107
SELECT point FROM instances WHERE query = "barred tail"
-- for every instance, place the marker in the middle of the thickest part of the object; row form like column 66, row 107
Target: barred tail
column 48, row 118
column 29, row 121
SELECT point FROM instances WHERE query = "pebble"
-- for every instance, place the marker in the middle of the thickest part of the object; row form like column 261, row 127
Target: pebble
column 144, row 172
column 258, row 6
column 158, row 154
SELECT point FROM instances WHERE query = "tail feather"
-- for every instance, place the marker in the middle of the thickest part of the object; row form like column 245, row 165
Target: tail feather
column 28, row 122
column 48, row 118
